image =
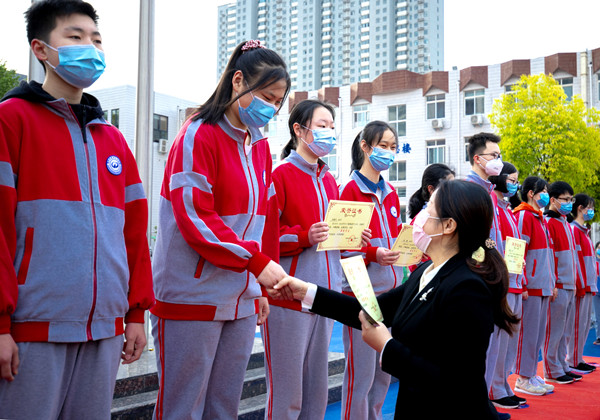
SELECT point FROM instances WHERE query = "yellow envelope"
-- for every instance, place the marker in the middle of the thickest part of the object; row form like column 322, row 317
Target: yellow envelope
column 409, row 253
column 346, row 220
column 358, row 278
column 514, row 254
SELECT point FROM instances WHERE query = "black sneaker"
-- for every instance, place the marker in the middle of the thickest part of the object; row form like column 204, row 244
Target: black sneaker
column 574, row 376
column 520, row 400
column 582, row 369
column 587, row 366
column 564, row 379
column 506, row 402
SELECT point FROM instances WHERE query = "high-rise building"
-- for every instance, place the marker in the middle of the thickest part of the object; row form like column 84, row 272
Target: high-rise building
column 338, row 42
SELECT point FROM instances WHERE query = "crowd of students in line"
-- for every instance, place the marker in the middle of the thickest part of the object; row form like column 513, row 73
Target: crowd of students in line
column 237, row 247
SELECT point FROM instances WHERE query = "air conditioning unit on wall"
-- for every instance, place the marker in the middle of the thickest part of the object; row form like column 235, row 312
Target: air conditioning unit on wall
column 477, row 119
column 163, row 146
column 437, row 123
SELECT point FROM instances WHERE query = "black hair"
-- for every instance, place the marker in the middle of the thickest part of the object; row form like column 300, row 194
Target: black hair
column 261, row 67
column 432, row 175
column 471, row 207
column 499, row 181
column 478, row 142
column 302, row 113
column 581, row 200
column 532, row 183
column 42, row 15
column 372, row 135
column 557, row 188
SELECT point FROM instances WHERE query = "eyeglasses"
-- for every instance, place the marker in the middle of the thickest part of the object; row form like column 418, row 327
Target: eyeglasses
column 513, row 181
column 495, row 155
column 566, row 199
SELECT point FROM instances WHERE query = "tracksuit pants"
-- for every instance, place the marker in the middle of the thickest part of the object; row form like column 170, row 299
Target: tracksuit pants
column 531, row 335
column 365, row 384
column 502, row 353
column 201, row 367
column 63, row 380
column 558, row 329
column 581, row 329
column 296, row 361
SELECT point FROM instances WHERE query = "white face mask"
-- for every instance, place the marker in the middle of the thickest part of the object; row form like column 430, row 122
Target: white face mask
column 493, row 167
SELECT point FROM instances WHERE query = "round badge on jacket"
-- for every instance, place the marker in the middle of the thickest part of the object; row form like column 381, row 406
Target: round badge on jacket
column 114, row 166
column 264, row 177
column 394, row 211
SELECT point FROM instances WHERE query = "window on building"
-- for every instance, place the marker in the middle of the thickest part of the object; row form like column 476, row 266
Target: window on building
column 105, row 115
column 567, row 84
column 397, row 119
column 436, row 151
column 114, row 117
column 160, row 127
column 474, row 103
column 467, row 148
column 331, row 160
column 436, row 106
column 401, row 191
column 397, row 171
column 270, row 128
column 361, row 115
column 274, row 158
column 403, row 213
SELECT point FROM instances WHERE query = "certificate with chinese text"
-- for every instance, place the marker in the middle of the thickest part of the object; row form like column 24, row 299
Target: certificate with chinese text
column 358, row 278
column 514, row 254
column 347, row 220
column 409, row 253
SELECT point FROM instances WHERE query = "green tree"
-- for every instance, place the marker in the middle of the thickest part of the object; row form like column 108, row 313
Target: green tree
column 546, row 135
column 8, row 79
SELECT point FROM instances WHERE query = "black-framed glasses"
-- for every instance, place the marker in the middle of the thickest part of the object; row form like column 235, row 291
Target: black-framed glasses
column 566, row 199
column 495, row 155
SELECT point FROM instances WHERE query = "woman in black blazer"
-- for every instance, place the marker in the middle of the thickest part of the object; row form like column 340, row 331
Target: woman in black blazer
column 442, row 317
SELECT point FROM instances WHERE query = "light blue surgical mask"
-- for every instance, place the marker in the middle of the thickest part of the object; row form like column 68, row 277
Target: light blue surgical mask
column 323, row 141
column 543, row 200
column 380, row 159
column 588, row 215
column 512, row 189
column 565, row 208
column 79, row 65
column 258, row 113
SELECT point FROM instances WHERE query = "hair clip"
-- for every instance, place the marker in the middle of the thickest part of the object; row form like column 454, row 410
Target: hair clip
column 252, row 45
column 490, row 243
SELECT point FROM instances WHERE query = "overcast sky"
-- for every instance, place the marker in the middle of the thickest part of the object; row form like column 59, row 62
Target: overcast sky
column 477, row 32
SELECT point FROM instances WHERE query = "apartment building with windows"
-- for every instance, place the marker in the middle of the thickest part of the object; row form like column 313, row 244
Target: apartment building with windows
column 338, row 42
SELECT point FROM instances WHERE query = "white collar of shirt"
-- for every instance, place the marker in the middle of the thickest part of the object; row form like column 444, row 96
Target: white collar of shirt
column 429, row 274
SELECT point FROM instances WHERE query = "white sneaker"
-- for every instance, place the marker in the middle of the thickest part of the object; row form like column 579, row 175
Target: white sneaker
column 529, row 386
column 540, row 382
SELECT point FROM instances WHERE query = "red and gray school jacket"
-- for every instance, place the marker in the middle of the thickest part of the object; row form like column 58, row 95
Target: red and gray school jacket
column 74, row 259
column 215, row 235
column 385, row 226
column 539, row 259
column 565, row 254
column 586, row 260
column 508, row 227
column 303, row 193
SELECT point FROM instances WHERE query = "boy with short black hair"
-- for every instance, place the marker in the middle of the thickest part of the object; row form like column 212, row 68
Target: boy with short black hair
column 74, row 259
column 560, row 315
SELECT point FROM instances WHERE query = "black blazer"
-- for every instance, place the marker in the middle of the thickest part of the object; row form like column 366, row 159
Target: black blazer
column 440, row 338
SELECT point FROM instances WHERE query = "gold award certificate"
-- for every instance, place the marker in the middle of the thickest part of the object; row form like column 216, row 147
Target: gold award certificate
column 346, row 220
column 358, row 278
column 514, row 254
column 409, row 253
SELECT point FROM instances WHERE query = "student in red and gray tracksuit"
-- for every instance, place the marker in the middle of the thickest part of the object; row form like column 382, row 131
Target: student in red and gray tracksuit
column 540, row 279
column 373, row 151
column 583, row 211
column 562, row 309
column 503, row 347
column 217, row 241
column 297, row 341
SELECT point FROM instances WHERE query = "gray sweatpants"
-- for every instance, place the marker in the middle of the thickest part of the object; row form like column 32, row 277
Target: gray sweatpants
column 365, row 384
column 531, row 335
column 63, row 381
column 581, row 329
column 201, row 367
column 558, row 329
column 296, row 362
column 501, row 354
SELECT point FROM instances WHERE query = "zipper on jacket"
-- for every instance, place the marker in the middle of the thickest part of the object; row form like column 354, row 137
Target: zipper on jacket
column 324, row 210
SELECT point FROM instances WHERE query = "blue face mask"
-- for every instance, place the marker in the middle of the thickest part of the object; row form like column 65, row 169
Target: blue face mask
column 565, row 208
column 512, row 189
column 257, row 114
column 588, row 215
column 598, row 252
column 79, row 65
column 381, row 160
column 323, row 141
column 544, row 199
